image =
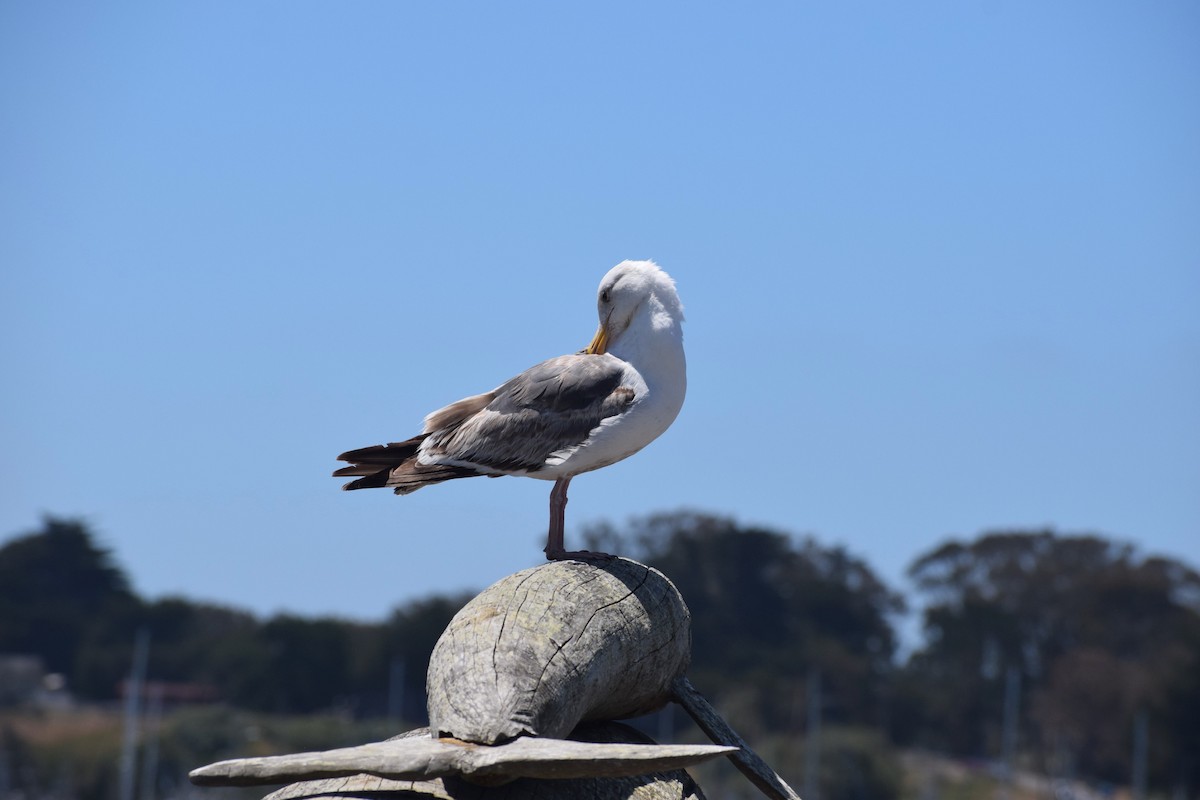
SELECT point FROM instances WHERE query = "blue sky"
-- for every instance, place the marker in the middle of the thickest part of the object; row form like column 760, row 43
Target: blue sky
column 941, row 265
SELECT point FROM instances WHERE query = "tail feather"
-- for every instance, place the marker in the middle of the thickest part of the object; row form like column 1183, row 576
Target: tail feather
column 393, row 454
column 395, row 465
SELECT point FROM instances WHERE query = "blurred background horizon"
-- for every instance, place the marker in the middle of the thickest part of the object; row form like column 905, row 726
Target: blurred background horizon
column 940, row 264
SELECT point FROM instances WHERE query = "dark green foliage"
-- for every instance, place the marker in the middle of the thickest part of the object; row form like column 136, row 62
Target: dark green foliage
column 766, row 609
column 1098, row 634
column 409, row 635
column 856, row 764
column 62, row 598
column 204, row 644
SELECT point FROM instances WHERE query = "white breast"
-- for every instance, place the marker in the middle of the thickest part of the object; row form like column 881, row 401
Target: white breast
column 659, row 389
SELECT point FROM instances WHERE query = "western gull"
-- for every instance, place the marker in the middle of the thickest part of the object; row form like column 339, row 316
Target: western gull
column 563, row 417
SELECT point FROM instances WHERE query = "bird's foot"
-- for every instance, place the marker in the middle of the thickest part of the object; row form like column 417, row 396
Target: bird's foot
column 577, row 555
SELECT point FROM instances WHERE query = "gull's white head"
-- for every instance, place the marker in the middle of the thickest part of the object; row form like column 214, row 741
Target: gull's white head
column 635, row 292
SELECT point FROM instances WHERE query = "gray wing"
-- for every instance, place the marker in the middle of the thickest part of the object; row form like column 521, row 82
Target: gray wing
column 547, row 408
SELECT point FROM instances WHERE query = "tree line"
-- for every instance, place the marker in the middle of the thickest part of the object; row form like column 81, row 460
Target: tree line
column 1099, row 638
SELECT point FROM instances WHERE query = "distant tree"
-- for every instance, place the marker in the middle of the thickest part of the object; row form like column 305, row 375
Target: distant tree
column 301, row 665
column 202, row 643
column 766, row 610
column 1098, row 634
column 63, row 598
column 409, row 635
column 60, row 594
column 306, row 667
column 1181, row 697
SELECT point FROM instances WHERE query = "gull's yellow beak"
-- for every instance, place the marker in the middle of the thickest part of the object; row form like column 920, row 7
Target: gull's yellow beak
column 599, row 342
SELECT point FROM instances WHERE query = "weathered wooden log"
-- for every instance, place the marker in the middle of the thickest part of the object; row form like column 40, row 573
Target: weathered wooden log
column 672, row 784
column 544, row 649
column 418, row 756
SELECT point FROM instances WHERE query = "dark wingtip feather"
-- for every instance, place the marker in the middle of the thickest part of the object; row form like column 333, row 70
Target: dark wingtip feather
column 374, row 481
column 392, row 453
column 355, row 469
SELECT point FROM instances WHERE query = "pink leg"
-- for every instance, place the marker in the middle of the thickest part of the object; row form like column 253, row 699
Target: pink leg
column 555, row 544
column 558, row 518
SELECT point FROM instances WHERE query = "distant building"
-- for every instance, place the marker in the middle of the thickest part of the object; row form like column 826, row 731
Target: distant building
column 24, row 683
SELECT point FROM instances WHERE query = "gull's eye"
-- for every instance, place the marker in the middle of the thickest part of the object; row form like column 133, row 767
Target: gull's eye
column 604, row 296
